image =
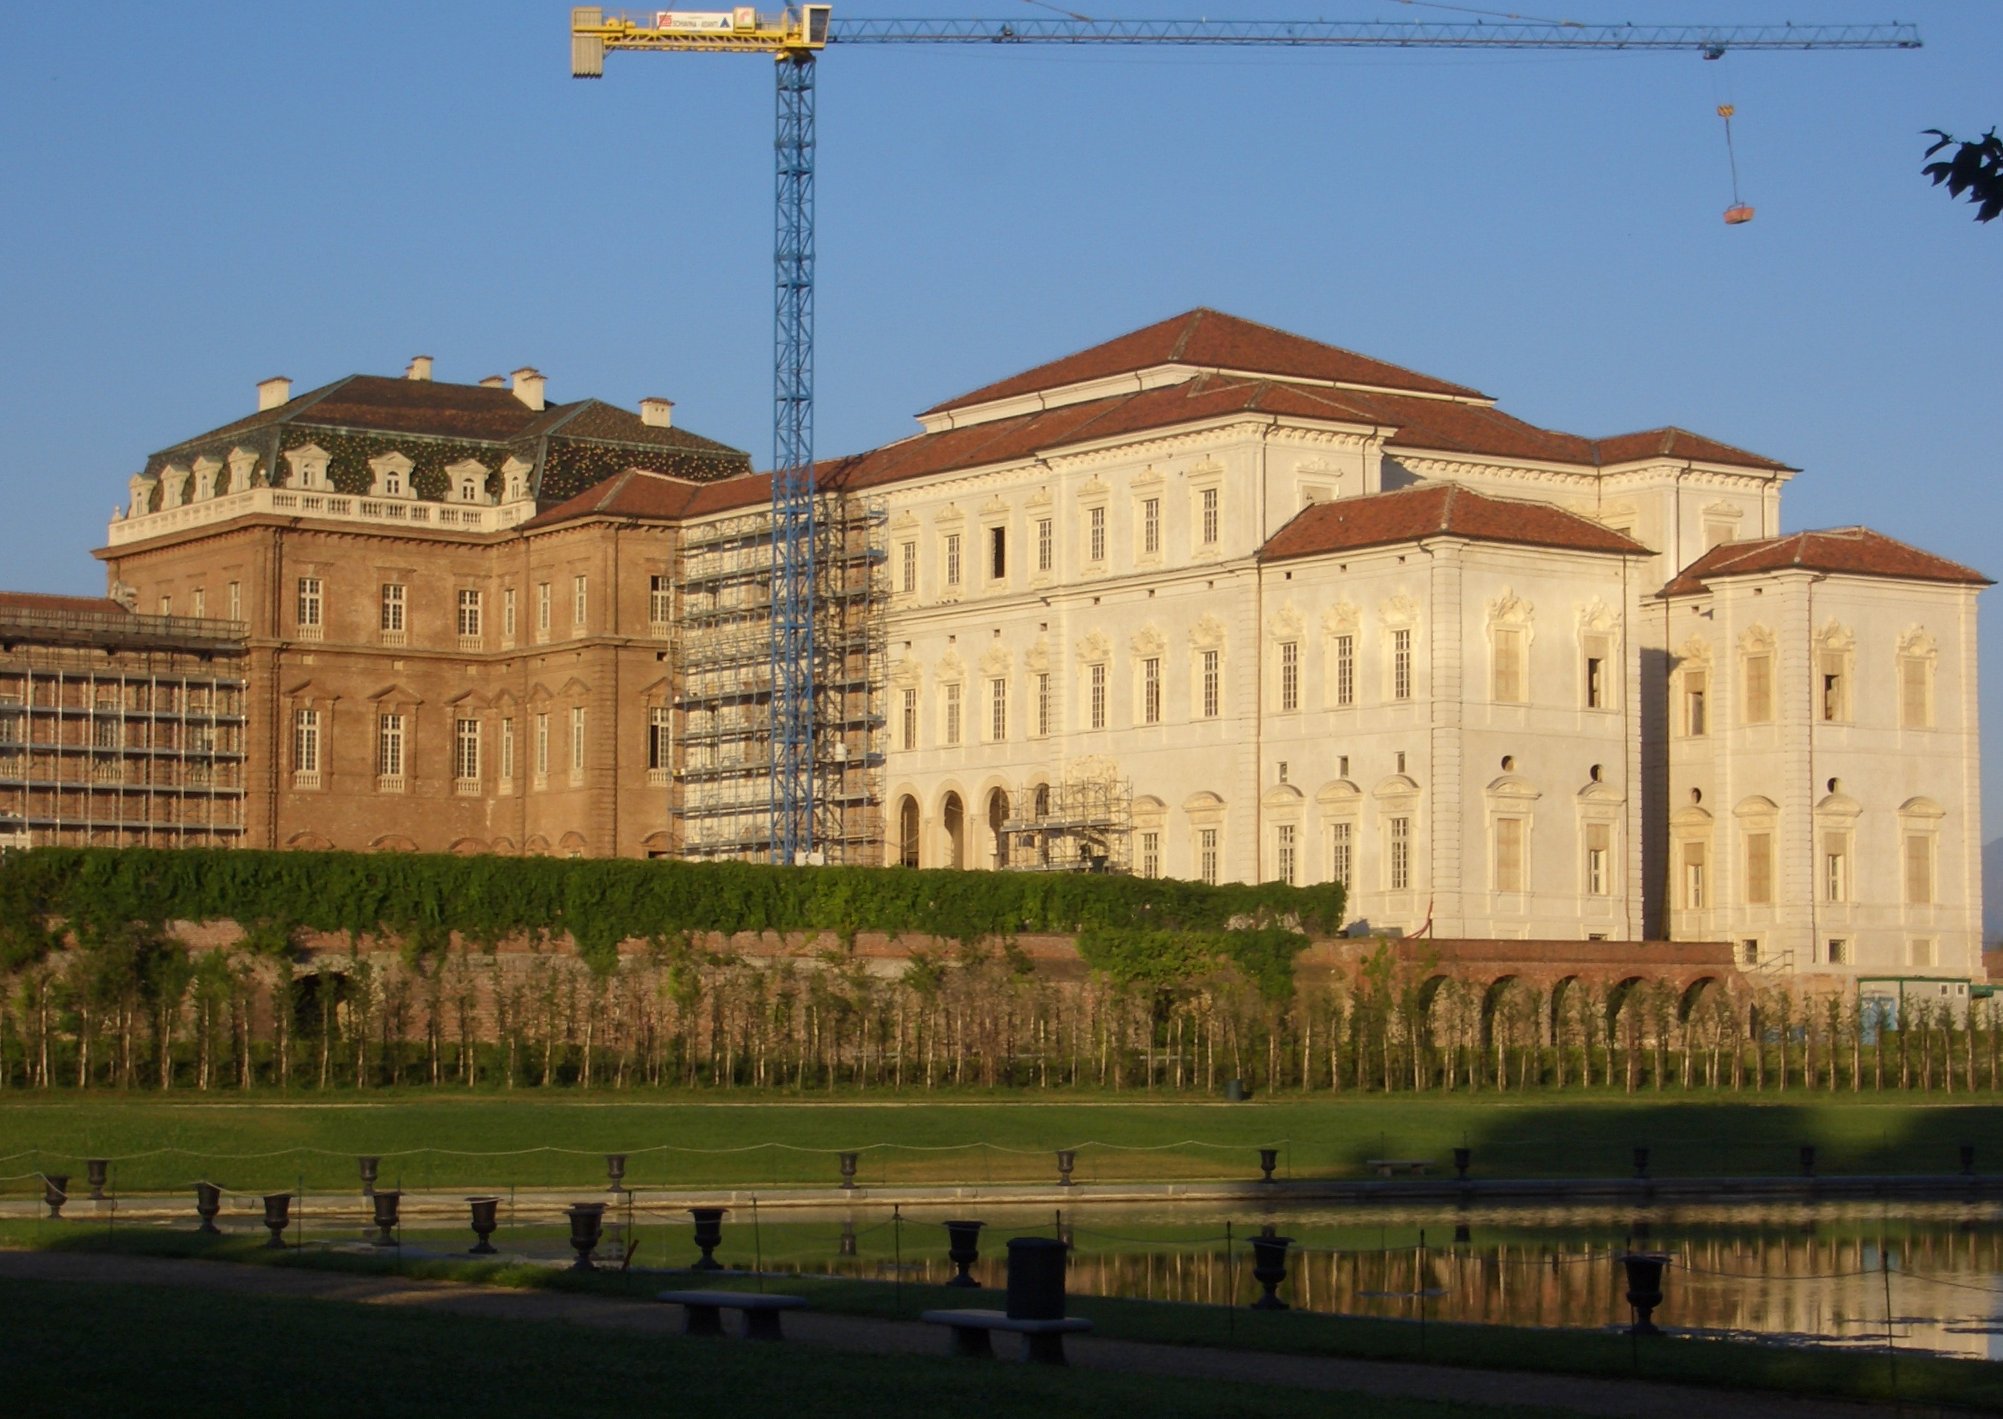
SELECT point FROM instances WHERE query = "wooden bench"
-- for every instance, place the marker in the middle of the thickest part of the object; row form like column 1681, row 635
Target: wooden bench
column 1385, row 1167
column 973, row 1333
column 704, row 1311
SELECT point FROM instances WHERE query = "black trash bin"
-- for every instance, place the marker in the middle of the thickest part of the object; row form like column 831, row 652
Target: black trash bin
column 1035, row 1278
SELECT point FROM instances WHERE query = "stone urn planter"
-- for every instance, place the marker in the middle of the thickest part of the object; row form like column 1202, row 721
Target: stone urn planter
column 1269, row 1269
column 369, row 1168
column 708, row 1236
column 1269, row 1159
column 615, row 1172
column 55, row 1192
column 486, row 1216
column 1067, row 1159
column 387, row 1205
column 98, row 1171
column 587, row 1224
column 1644, row 1287
column 1463, row 1157
column 963, row 1249
column 848, row 1163
column 1641, row 1164
column 208, row 1202
column 277, row 1217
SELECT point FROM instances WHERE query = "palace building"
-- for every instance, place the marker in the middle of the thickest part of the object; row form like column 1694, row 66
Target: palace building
column 1209, row 600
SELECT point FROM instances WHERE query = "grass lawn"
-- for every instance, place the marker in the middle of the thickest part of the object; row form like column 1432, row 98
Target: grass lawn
column 441, row 1139
column 137, row 1351
column 198, row 1328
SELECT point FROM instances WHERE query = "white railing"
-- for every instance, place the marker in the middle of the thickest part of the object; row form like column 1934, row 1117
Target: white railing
column 299, row 502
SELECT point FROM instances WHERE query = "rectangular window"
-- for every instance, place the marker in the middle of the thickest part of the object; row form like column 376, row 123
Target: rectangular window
column 1207, row 517
column 1835, row 704
column 1749, row 951
column 1919, row 869
column 542, row 610
column 952, row 559
column 909, row 716
column 951, row 728
column 1596, row 682
column 1046, row 544
column 1920, row 953
column 1835, row 868
column 1695, row 684
column 1150, row 854
column 1693, row 876
column 1507, row 680
column 1401, row 664
column 201, row 606
column 1759, row 689
column 235, row 600
column 1345, row 670
column 542, row 748
column 998, row 711
column 167, row 605
column 907, row 568
column 1213, row 685
column 1150, row 527
column 389, row 746
column 1915, row 697
column 1290, row 676
column 578, row 585
column 1095, row 533
column 576, row 740
column 507, row 754
column 1399, row 861
column 1151, row 690
column 997, row 554
column 306, row 741
column 1508, row 854
column 391, row 621
column 1599, row 858
column 1837, row 952
column 1206, row 855
column 508, row 614
column 1759, row 869
column 1284, row 851
column 1097, row 679
column 660, row 601
column 466, row 750
column 309, row 608
column 1341, row 858
column 1042, row 703
column 660, row 739
column 469, row 615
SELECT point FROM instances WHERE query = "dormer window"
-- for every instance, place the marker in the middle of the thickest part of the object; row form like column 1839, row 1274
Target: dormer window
column 392, row 476
column 308, row 465
column 468, row 481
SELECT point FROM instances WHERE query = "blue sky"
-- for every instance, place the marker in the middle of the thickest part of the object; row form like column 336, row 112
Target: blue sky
column 199, row 196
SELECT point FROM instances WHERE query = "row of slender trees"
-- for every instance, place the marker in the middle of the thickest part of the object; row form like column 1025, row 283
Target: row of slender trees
column 133, row 1008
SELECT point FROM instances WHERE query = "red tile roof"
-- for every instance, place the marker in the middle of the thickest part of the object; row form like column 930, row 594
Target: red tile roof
column 44, row 603
column 1438, row 510
column 637, row 493
column 1848, row 551
column 1679, row 443
column 1211, row 340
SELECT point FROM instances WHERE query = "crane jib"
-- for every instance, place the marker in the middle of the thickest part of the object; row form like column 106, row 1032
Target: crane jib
column 1338, row 33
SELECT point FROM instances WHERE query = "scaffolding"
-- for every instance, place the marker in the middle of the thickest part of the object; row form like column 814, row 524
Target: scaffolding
column 723, row 801
column 1082, row 824
column 120, row 731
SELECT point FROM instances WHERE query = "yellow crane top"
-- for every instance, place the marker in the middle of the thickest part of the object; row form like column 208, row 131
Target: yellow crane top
column 796, row 31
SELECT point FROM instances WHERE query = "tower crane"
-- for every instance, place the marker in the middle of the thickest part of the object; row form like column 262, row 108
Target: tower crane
column 797, row 35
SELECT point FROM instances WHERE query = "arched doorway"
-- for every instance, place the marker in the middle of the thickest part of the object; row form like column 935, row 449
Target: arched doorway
column 998, row 815
column 907, row 831
column 953, row 816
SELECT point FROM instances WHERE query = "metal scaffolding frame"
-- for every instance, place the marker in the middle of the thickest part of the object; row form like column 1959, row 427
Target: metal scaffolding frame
column 1082, row 824
column 727, row 688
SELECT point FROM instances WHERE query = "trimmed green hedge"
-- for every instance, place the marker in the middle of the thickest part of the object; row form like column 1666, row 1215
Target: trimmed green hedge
column 601, row 902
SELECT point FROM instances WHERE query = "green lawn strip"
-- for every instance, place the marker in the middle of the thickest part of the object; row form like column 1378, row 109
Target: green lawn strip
column 1722, row 1364
column 138, row 1351
column 435, row 1139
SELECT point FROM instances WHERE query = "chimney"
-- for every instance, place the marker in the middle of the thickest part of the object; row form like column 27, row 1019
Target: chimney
column 527, row 385
column 657, row 413
column 273, row 392
column 493, row 381
column 418, row 368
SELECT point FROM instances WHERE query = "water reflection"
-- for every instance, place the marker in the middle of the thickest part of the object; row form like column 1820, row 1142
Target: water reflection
column 1822, row 1274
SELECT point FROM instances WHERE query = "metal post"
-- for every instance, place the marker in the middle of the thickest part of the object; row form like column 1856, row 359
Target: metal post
column 792, row 609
